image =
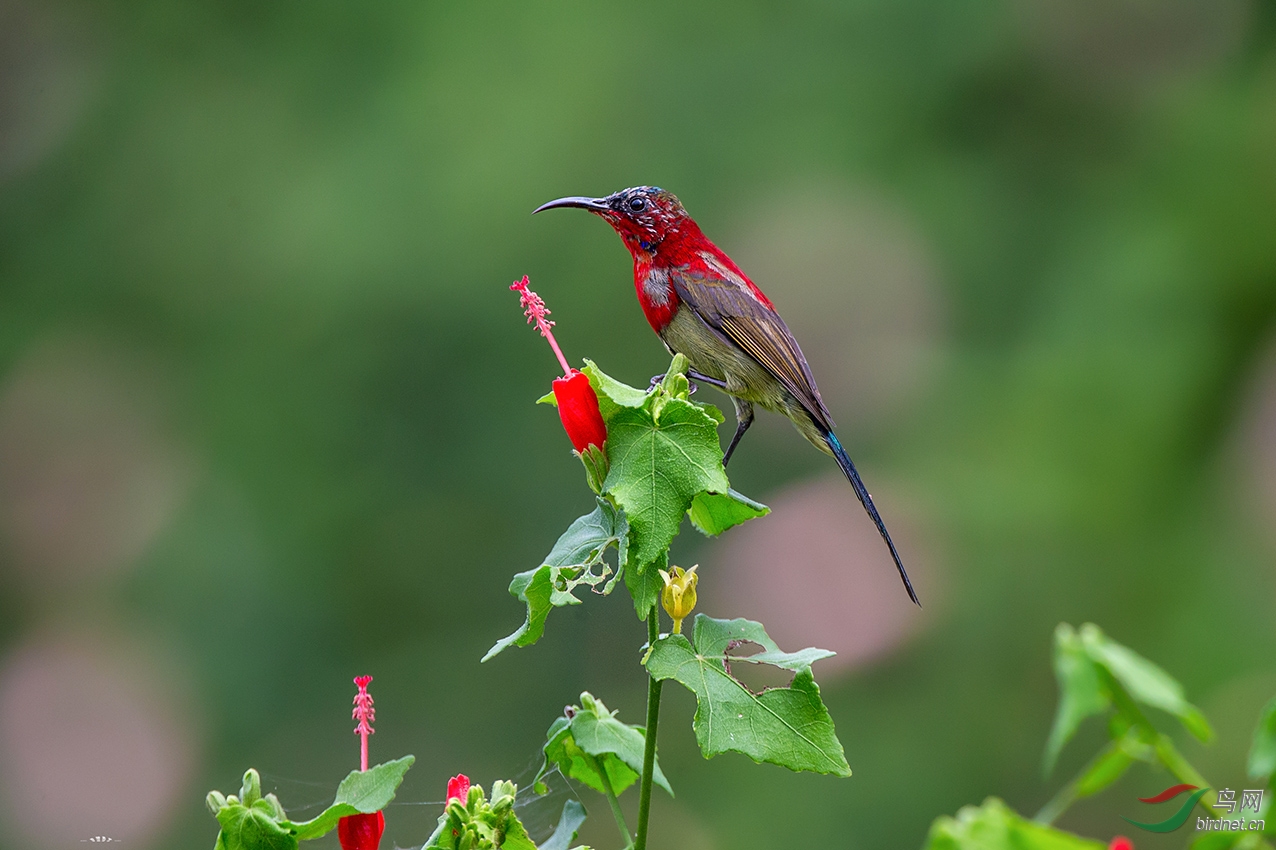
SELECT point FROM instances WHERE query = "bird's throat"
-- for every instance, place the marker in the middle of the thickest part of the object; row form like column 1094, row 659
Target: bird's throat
column 655, row 292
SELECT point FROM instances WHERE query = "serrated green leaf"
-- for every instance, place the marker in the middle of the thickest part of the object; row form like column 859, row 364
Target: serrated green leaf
column 575, row 560
column 592, row 739
column 516, row 837
column 587, row 539
column 995, row 826
column 714, row 513
column 1144, row 681
column 659, row 463
column 1081, row 691
column 245, row 828
column 1262, row 753
column 788, row 726
column 645, row 584
column 568, row 825
column 361, row 792
column 372, row 790
column 534, row 588
column 612, row 395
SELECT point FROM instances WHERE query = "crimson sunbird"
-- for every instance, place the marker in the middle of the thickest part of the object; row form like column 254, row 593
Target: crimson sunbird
column 704, row 307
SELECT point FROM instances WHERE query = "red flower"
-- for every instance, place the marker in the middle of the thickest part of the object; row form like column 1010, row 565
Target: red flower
column 577, row 402
column 361, row 832
column 578, row 408
column 458, row 788
column 1121, row 843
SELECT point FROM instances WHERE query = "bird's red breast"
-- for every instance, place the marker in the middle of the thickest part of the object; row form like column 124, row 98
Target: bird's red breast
column 686, row 250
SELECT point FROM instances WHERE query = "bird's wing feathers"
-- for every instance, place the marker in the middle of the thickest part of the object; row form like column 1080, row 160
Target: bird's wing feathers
column 727, row 305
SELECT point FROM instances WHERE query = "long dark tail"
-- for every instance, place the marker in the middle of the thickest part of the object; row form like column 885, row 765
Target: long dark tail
column 844, row 461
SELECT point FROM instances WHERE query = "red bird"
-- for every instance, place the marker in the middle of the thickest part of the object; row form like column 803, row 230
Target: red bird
column 703, row 307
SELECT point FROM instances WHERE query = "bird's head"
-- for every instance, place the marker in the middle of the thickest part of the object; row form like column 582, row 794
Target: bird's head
column 644, row 216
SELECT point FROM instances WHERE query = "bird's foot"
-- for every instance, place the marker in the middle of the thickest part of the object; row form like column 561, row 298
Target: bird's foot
column 656, row 379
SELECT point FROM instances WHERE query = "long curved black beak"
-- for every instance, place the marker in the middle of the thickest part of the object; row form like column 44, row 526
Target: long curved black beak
column 591, row 204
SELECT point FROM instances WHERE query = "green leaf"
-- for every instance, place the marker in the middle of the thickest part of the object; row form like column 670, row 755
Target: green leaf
column 994, row 826
column 482, row 824
column 714, row 513
column 591, row 739
column 787, row 726
column 1081, row 692
column 575, row 560
column 645, row 584
column 372, row 790
column 1109, row 766
column 1144, row 681
column 1262, row 754
column 361, row 792
column 659, row 463
column 245, row 828
column 568, row 825
column 612, row 394
column 516, row 837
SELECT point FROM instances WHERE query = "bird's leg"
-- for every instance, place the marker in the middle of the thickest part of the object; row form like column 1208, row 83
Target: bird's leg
column 692, row 378
column 743, row 419
column 713, row 382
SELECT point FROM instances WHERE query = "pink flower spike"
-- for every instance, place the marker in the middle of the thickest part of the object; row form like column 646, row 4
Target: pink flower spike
column 366, row 715
column 458, row 788
column 536, row 311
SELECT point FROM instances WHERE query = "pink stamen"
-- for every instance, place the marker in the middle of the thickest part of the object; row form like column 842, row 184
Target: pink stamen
column 366, row 715
column 536, row 311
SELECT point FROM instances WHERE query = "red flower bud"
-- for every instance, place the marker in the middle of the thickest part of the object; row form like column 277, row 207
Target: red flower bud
column 578, row 408
column 458, row 788
column 361, row 832
column 1121, row 843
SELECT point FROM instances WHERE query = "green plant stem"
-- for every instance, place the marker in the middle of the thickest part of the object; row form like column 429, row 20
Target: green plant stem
column 611, row 799
column 1174, row 762
column 1071, row 792
column 649, row 752
column 1166, row 753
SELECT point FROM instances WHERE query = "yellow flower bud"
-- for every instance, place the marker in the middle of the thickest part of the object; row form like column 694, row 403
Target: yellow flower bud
column 679, row 595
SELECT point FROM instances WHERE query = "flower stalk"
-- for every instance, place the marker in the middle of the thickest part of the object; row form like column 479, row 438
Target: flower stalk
column 362, row 831
column 649, row 749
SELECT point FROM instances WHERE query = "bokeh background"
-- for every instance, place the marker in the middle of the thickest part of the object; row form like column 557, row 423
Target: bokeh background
column 266, row 413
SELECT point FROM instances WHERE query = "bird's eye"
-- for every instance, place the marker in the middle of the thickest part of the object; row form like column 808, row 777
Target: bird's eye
column 637, row 204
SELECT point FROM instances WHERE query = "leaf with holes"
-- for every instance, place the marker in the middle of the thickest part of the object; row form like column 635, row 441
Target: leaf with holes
column 788, row 726
column 575, row 560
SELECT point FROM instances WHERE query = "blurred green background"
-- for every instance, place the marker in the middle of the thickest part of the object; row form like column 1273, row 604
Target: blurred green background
column 266, row 413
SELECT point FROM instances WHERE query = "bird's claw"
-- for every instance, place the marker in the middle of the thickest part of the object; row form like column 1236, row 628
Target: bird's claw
column 656, row 379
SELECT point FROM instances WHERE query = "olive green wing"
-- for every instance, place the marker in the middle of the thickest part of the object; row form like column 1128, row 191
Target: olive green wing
column 730, row 309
